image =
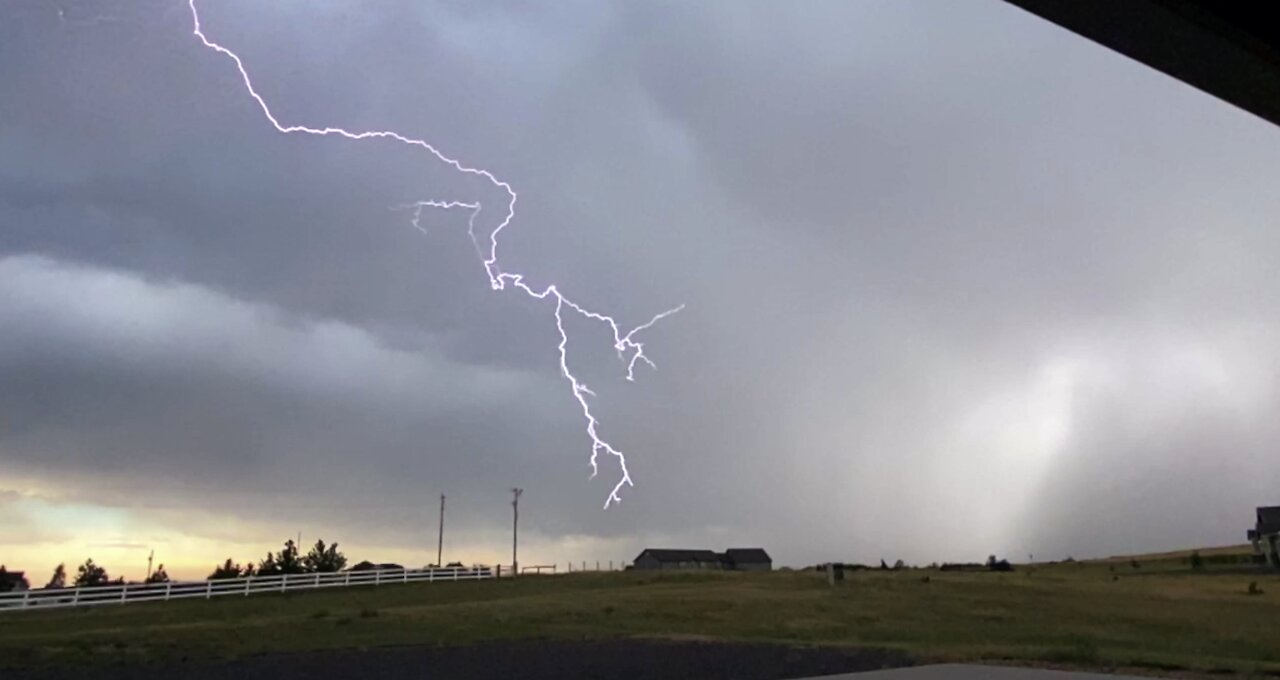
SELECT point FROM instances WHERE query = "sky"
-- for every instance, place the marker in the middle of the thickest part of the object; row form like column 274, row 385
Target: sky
column 957, row 283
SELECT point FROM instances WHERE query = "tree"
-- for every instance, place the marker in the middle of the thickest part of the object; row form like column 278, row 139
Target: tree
column 899, row 565
column 59, row 578
column 324, row 559
column 1197, row 562
column 227, row 569
column 287, row 562
column 90, row 574
column 158, row 576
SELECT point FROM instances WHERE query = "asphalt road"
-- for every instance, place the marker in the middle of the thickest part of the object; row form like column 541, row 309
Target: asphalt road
column 968, row 672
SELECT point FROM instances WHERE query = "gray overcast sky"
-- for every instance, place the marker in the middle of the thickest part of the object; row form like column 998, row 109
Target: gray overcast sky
column 958, row 282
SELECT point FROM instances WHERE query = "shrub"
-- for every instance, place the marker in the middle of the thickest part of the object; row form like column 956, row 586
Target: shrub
column 1197, row 562
column 1254, row 589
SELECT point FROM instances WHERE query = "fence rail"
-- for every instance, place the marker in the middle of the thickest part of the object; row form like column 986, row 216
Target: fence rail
column 50, row 598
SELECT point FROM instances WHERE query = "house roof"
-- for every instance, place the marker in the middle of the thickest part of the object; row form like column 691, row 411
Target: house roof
column 748, row 556
column 670, row 555
column 1269, row 520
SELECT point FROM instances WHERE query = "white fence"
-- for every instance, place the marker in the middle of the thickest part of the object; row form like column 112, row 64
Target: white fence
column 49, row 598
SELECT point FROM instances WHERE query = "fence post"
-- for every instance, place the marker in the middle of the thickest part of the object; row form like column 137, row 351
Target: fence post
column 75, row 598
column 377, row 577
column 124, row 592
column 347, row 581
column 247, row 580
column 317, row 583
column 26, row 599
column 208, row 589
column 284, row 583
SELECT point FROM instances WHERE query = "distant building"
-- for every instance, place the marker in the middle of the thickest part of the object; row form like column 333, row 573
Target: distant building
column 747, row 559
column 1265, row 536
column 12, row 581
column 366, row 565
column 661, row 558
column 736, row 559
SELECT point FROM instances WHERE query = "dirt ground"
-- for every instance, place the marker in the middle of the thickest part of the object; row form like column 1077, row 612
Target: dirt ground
column 524, row 660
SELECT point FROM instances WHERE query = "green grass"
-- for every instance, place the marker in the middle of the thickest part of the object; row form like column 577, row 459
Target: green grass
column 1070, row 614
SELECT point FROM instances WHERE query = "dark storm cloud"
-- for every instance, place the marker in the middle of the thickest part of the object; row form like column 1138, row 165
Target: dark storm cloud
column 922, row 245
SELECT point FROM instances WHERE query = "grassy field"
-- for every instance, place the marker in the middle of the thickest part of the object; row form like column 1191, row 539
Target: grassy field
column 1093, row 615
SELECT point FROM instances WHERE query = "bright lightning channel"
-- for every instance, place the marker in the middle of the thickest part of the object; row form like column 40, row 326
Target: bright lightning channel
column 623, row 343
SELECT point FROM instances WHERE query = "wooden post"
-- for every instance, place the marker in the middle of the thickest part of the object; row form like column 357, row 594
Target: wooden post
column 208, row 589
column 168, row 587
column 440, row 539
column 515, row 526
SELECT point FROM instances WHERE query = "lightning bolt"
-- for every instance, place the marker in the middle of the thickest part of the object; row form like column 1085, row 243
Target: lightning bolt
column 625, row 345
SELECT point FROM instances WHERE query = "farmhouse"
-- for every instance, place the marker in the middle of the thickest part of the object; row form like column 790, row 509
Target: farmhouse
column 11, row 581
column 1265, row 536
column 737, row 559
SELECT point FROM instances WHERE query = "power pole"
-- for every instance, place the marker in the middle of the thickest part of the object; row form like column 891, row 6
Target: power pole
column 149, row 558
column 515, row 526
column 440, row 540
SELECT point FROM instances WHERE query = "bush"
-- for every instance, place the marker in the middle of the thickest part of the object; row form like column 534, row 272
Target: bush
column 1197, row 562
column 1254, row 589
column 998, row 565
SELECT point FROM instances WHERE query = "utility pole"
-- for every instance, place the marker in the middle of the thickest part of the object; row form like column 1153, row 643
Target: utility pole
column 515, row 525
column 149, row 558
column 440, row 540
